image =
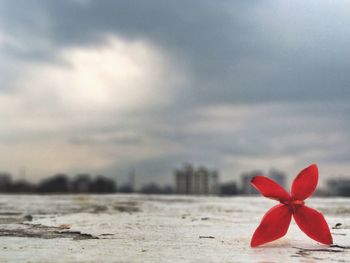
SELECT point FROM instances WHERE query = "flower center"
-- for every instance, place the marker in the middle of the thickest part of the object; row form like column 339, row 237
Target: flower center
column 297, row 202
column 293, row 204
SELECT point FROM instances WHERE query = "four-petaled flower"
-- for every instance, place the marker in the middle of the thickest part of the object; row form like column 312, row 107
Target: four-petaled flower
column 276, row 221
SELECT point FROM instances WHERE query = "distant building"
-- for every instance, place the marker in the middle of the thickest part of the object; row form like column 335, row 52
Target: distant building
column 199, row 181
column 154, row 188
column 247, row 188
column 56, row 184
column 102, row 184
column 151, row 188
column 59, row 183
column 339, row 187
column 278, row 176
column 229, row 189
column 125, row 188
column 81, row 184
column 5, row 182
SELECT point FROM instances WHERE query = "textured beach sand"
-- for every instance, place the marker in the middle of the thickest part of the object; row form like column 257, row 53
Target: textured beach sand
column 138, row 228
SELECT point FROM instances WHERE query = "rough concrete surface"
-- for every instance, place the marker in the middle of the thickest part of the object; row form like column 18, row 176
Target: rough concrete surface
column 138, row 228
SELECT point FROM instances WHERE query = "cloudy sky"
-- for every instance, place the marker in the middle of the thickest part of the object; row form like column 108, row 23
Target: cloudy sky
column 108, row 86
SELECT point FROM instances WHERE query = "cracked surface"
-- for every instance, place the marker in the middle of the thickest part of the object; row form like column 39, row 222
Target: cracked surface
column 136, row 228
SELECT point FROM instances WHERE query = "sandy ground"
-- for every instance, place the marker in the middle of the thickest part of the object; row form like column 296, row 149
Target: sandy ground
column 138, row 228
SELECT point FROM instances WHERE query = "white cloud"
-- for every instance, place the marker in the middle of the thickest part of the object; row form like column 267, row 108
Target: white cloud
column 90, row 88
column 116, row 76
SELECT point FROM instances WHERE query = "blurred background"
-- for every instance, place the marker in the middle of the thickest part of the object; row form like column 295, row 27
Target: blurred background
column 167, row 96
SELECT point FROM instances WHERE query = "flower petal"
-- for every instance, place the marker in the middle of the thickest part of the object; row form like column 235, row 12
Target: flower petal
column 269, row 188
column 305, row 183
column 274, row 225
column 313, row 224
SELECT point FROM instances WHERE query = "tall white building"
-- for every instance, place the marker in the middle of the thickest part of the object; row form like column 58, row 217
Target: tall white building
column 199, row 181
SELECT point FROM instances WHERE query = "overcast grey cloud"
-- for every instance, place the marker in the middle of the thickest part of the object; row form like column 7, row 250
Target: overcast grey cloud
column 109, row 86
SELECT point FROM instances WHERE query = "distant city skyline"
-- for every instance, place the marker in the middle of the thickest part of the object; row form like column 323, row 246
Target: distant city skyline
column 188, row 180
column 105, row 87
column 242, row 180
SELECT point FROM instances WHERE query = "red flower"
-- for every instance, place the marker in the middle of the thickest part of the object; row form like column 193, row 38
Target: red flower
column 275, row 223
